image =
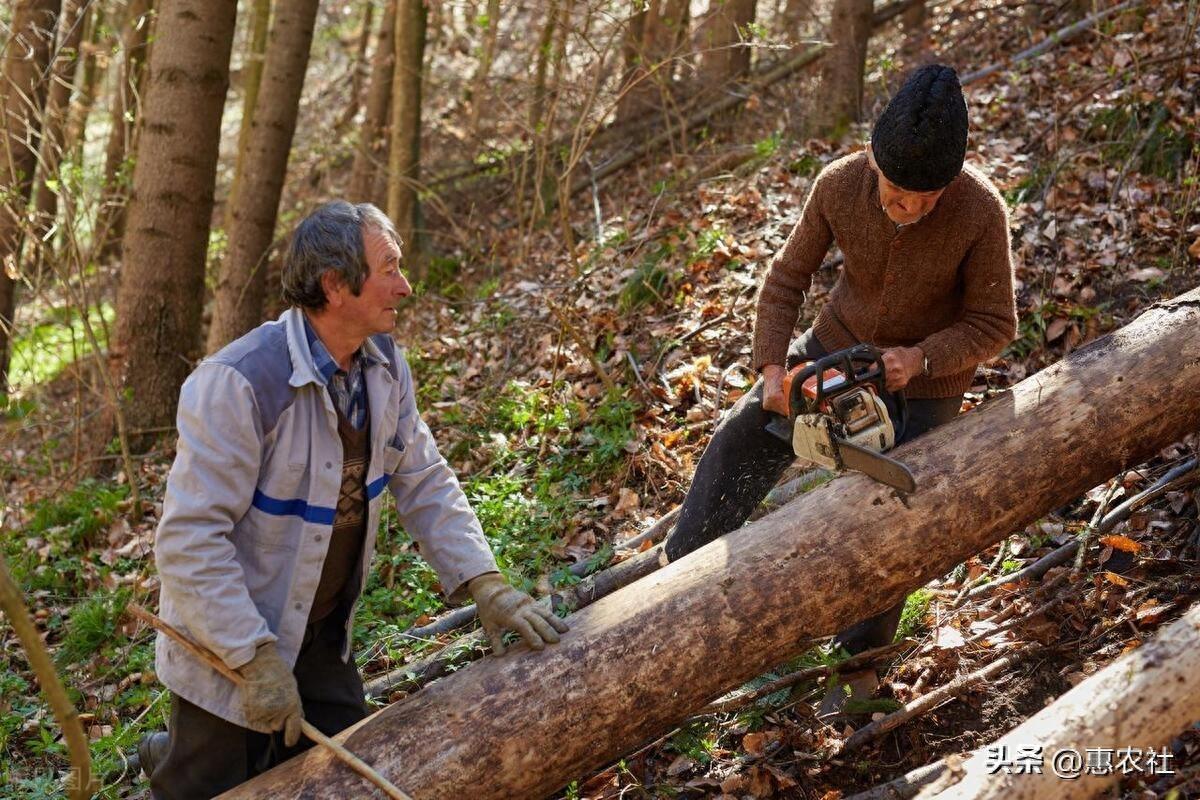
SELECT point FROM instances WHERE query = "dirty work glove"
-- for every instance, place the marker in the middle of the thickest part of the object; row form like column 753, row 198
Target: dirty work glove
column 501, row 607
column 270, row 698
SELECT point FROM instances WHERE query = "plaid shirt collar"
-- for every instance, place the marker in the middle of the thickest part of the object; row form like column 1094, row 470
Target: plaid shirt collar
column 347, row 389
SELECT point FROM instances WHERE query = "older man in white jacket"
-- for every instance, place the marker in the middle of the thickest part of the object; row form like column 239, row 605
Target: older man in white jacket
column 287, row 438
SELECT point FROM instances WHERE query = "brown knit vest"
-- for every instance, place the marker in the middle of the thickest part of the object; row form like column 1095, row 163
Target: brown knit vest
column 349, row 522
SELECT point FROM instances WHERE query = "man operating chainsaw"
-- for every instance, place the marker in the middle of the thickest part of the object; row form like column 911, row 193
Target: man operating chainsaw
column 287, row 439
column 927, row 279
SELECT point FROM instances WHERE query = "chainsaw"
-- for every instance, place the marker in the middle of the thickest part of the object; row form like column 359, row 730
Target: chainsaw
column 839, row 419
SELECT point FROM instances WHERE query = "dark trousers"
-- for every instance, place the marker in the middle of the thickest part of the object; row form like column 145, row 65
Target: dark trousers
column 208, row 755
column 743, row 462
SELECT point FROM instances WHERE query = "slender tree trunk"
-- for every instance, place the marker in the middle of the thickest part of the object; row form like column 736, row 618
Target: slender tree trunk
column 841, row 88
column 537, row 106
column 486, row 55
column 251, row 80
column 370, row 158
column 58, row 105
column 254, row 207
column 797, row 19
column 405, row 158
column 638, row 662
column 651, row 48
column 85, row 95
column 726, row 57
column 361, row 68
column 914, row 19
column 23, row 88
column 170, row 210
column 110, row 221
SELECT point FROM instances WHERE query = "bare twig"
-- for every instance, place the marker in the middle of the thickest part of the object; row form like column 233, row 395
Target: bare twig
column 583, row 345
column 1050, row 42
column 930, row 701
column 206, row 656
column 82, row 784
column 855, row 662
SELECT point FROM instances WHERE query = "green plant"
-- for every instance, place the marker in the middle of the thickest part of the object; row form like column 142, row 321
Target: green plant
column 82, row 512
column 765, row 148
column 650, row 284
column 93, row 627
column 912, row 618
column 697, row 740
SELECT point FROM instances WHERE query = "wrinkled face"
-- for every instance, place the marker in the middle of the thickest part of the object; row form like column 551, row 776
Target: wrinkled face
column 373, row 310
column 902, row 206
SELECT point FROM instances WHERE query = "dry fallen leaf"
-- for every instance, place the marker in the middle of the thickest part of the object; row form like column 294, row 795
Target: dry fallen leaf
column 1122, row 543
column 1056, row 329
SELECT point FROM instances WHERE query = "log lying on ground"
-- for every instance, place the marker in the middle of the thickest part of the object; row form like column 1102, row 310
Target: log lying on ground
column 638, row 661
column 417, row 674
column 1142, row 700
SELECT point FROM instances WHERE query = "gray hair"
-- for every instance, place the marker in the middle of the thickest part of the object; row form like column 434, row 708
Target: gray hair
column 331, row 238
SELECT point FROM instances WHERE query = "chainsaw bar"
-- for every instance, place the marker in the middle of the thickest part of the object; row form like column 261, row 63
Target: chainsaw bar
column 886, row 470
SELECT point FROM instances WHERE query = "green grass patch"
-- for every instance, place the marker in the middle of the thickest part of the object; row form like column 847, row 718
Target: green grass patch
column 43, row 351
column 92, row 628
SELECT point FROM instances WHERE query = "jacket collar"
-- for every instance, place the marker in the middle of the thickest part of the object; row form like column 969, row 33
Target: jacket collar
column 304, row 367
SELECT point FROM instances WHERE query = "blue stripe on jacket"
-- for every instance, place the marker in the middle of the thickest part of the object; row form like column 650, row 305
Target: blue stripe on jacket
column 294, row 507
column 376, row 486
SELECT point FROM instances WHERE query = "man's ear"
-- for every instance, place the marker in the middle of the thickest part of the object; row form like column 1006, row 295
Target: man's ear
column 332, row 284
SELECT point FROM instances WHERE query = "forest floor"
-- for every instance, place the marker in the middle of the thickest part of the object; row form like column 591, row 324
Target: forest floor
column 513, row 341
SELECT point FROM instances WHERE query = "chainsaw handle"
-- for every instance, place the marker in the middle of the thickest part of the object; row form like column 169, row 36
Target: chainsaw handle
column 848, row 361
column 862, row 364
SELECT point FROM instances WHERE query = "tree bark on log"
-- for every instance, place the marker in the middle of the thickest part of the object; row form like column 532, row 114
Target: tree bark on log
column 643, row 658
column 1143, row 699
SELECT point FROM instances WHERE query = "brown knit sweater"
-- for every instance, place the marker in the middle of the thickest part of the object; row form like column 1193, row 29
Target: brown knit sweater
column 943, row 283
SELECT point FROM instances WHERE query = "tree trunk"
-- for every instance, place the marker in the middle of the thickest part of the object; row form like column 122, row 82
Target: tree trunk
column 26, row 57
column 726, row 57
column 170, row 209
column 110, row 221
column 841, row 88
column 254, row 207
column 537, row 106
column 58, row 105
column 91, row 72
column 251, row 80
column 360, row 68
column 652, row 44
column 405, row 157
column 1143, row 699
column 486, row 56
column 640, row 660
column 370, row 159
column 915, row 20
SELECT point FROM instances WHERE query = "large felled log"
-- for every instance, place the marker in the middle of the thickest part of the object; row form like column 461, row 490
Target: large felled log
column 641, row 659
column 1140, row 701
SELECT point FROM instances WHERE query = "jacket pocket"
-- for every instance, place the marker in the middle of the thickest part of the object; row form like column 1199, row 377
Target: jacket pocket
column 393, row 453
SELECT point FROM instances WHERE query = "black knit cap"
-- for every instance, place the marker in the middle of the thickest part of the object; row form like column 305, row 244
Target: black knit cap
column 920, row 139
